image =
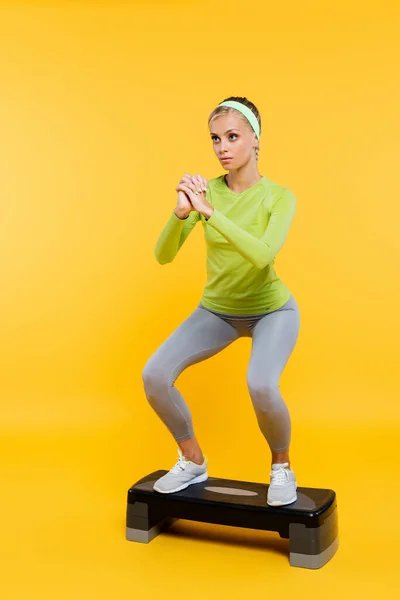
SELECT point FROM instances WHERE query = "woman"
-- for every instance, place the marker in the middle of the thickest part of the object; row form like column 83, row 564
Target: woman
column 246, row 218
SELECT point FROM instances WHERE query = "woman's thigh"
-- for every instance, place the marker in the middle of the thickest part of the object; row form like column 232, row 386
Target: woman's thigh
column 273, row 340
column 198, row 337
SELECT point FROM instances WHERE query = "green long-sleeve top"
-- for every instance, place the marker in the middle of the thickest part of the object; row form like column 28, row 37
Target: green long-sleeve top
column 243, row 236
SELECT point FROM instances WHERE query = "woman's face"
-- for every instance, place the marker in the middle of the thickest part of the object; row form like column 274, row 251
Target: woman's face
column 232, row 138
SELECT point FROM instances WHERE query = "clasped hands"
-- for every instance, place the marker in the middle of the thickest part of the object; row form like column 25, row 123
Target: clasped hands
column 195, row 187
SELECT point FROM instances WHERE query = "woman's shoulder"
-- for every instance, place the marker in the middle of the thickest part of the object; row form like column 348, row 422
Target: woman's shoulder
column 278, row 190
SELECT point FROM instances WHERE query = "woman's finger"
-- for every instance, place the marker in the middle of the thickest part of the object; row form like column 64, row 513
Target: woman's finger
column 203, row 182
column 192, row 186
column 189, row 193
column 184, row 188
column 185, row 180
column 198, row 181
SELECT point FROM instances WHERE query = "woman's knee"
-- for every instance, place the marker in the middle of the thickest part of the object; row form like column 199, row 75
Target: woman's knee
column 265, row 393
column 155, row 377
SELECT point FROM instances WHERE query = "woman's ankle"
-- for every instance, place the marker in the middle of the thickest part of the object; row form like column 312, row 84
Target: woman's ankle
column 192, row 451
column 280, row 457
column 198, row 459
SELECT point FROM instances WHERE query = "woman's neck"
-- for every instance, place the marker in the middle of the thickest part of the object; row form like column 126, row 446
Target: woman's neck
column 238, row 180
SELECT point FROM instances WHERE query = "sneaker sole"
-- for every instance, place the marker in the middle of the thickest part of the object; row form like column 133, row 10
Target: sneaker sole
column 277, row 503
column 197, row 479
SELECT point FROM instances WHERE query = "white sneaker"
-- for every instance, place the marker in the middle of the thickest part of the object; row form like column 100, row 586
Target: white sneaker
column 184, row 473
column 282, row 489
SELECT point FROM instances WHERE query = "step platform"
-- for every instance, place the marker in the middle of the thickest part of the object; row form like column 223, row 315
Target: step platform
column 310, row 523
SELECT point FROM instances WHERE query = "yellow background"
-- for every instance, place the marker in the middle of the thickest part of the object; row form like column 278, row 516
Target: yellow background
column 103, row 107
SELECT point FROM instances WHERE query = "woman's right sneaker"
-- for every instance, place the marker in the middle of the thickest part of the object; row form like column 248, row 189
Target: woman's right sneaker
column 183, row 473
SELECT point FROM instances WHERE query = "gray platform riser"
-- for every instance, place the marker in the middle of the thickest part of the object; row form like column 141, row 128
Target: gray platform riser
column 146, row 536
column 314, row 561
column 313, row 540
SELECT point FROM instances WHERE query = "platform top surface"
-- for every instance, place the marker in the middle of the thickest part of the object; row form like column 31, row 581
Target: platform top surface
column 247, row 494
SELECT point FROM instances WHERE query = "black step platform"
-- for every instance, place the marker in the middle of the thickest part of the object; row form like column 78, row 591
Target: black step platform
column 310, row 523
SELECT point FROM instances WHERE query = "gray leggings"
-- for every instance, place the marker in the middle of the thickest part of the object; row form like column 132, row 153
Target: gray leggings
column 203, row 334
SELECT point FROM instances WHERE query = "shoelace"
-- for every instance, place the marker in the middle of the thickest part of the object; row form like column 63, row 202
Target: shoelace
column 279, row 477
column 181, row 463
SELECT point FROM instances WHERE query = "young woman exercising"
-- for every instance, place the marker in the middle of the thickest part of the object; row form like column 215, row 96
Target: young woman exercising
column 246, row 218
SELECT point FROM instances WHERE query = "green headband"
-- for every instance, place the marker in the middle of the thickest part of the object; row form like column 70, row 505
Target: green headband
column 245, row 110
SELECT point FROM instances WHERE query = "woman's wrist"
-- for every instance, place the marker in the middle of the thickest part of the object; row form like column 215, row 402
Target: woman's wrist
column 180, row 215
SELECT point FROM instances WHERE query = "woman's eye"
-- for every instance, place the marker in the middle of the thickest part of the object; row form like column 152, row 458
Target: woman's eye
column 230, row 135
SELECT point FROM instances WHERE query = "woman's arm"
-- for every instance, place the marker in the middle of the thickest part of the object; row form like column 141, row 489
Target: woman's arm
column 260, row 252
column 173, row 236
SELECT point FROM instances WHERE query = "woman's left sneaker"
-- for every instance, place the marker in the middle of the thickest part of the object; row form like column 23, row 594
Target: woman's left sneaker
column 282, row 489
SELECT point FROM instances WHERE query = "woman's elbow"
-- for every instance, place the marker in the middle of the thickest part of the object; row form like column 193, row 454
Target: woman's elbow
column 163, row 260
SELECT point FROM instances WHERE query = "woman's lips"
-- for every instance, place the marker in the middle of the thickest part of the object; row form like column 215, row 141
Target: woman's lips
column 226, row 158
